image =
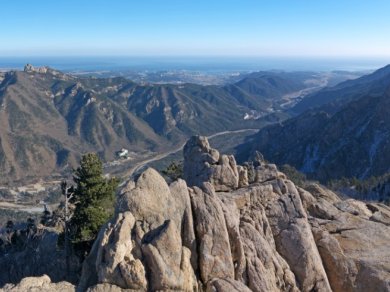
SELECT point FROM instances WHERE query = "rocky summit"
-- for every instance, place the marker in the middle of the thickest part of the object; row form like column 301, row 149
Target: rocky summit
column 234, row 228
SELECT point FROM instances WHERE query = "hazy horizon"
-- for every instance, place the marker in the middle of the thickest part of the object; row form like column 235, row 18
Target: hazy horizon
column 194, row 63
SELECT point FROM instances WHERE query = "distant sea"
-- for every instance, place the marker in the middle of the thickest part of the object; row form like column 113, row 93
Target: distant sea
column 205, row 64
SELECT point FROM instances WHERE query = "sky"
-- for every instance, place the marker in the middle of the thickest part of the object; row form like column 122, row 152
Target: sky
column 304, row 28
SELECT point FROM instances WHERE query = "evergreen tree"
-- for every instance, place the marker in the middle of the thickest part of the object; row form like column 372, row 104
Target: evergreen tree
column 94, row 197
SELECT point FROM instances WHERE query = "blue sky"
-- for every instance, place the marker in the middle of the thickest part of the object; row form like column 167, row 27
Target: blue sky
column 312, row 28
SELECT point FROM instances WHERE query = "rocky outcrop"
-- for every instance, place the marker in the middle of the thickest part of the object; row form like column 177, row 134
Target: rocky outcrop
column 41, row 284
column 150, row 243
column 238, row 228
column 203, row 164
column 214, row 250
column 28, row 68
column 353, row 243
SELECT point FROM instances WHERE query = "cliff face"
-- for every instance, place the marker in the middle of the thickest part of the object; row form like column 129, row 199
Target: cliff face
column 234, row 228
column 225, row 230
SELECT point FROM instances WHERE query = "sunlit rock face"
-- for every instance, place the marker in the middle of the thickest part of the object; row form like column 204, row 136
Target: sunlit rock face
column 224, row 230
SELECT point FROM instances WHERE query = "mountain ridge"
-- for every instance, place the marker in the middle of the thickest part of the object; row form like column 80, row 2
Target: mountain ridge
column 374, row 83
column 49, row 118
column 351, row 140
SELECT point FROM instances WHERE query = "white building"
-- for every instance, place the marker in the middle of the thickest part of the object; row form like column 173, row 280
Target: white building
column 123, row 153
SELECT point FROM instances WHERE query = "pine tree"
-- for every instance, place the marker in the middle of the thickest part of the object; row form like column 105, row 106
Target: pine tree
column 94, row 197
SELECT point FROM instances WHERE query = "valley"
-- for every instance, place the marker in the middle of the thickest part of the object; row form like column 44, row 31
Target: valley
column 143, row 164
column 91, row 113
column 291, row 99
column 32, row 199
column 52, row 117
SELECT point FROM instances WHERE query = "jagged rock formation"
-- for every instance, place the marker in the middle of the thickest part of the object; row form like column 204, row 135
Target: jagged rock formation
column 30, row 69
column 41, row 284
column 152, row 239
column 233, row 228
column 226, row 230
column 204, row 164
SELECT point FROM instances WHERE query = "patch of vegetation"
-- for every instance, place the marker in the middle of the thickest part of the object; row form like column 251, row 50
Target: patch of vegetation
column 16, row 216
column 89, row 125
column 372, row 188
column 297, row 177
column 173, row 171
column 18, row 119
column 24, row 146
column 17, row 236
column 130, row 130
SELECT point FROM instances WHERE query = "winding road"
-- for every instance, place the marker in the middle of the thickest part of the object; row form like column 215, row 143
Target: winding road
column 160, row 156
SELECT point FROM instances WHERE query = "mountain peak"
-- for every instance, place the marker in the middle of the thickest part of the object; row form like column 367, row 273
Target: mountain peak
column 28, row 68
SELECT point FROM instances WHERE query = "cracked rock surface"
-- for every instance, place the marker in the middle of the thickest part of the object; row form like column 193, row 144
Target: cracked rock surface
column 221, row 229
column 237, row 228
